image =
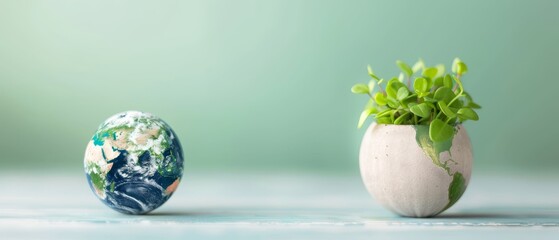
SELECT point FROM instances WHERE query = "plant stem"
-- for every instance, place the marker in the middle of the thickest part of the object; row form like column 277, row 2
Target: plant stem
column 461, row 90
column 455, row 86
column 381, row 89
column 439, row 114
column 448, row 120
column 432, row 115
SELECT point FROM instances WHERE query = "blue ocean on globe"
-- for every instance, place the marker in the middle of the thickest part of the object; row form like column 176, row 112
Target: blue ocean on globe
column 134, row 162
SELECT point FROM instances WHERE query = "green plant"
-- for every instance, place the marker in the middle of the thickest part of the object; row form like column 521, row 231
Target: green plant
column 434, row 98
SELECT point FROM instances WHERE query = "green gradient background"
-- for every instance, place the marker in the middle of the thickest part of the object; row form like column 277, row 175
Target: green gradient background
column 264, row 85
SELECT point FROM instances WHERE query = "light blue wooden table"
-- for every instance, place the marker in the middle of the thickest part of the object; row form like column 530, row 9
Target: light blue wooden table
column 275, row 206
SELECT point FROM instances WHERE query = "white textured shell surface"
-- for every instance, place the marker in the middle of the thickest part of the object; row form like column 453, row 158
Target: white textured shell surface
column 409, row 174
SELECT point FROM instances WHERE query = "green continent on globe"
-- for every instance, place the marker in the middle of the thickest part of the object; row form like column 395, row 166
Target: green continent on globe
column 456, row 189
column 134, row 162
column 434, row 150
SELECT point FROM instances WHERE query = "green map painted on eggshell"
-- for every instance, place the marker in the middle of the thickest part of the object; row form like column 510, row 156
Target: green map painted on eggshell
column 456, row 189
column 434, row 150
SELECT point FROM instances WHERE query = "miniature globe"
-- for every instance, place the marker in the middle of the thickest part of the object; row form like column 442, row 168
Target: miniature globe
column 134, row 162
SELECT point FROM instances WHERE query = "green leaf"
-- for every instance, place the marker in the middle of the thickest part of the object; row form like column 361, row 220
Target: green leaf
column 393, row 86
column 474, row 105
column 468, row 97
column 468, row 113
column 429, row 83
column 360, row 88
column 402, row 93
column 438, row 82
column 444, row 94
column 384, row 120
column 470, row 102
column 429, row 99
column 385, row 113
column 430, row 72
column 456, row 104
column 369, row 104
column 447, row 81
column 430, row 104
column 409, row 100
column 439, row 131
column 371, row 73
column 401, row 118
column 461, row 68
column 420, row 85
column 419, row 65
column 392, row 102
column 405, row 68
column 455, row 64
column 424, row 121
column 371, row 86
column 392, row 115
column 422, row 110
column 411, row 104
column 401, row 77
column 440, row 70
column 366, row 113
column 380, row 99
column 446, row 110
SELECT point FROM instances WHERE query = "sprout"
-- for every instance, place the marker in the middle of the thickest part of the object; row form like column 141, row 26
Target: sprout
column 435, row 98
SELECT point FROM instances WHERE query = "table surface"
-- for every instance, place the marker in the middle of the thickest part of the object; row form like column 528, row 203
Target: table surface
column 275, row 206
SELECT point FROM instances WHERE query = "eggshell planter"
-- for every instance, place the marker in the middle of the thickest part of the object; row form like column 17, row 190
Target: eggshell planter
column 409, row 174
